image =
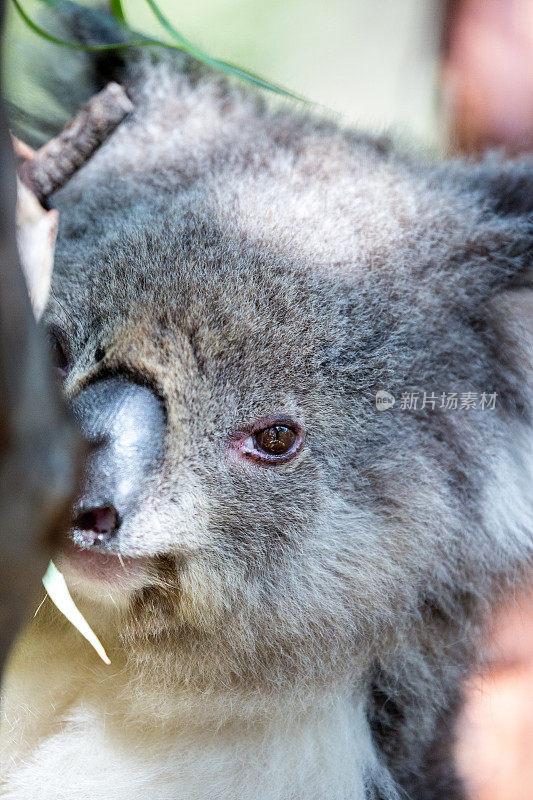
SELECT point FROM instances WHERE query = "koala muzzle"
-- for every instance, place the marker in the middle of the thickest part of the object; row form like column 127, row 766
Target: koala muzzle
column 125, row 424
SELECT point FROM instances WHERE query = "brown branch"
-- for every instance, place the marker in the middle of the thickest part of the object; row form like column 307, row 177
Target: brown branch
column 50, row 167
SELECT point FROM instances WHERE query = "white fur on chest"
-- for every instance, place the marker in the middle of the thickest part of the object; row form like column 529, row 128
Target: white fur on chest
column 74, row 729
column 320, row 757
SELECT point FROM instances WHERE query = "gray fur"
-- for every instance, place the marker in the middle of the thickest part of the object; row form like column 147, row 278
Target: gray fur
column 245, row 262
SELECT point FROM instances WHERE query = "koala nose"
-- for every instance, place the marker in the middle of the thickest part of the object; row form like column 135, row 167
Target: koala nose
column 97, row 525
column 125, row 424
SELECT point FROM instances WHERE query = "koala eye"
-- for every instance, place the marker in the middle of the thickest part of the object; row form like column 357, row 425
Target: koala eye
column 59, row 346
column 276, row 442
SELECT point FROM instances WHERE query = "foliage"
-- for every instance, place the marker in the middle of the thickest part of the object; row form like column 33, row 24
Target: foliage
column 135, row 39
column 58, row 592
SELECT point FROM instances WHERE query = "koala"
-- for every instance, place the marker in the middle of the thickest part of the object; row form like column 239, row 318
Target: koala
column 289, row 577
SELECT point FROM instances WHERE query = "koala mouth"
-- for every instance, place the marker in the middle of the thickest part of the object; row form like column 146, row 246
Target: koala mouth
column 80, row 564
column 90, row 554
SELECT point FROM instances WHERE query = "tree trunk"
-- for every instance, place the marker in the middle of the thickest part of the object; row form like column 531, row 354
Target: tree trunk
column 39, row 446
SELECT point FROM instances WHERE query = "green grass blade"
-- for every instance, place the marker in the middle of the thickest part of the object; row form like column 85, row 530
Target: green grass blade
column 117, row 10
column 57, row 590
column 170, row 29
column 180, row 43
column 140, row 42
column 225, row 66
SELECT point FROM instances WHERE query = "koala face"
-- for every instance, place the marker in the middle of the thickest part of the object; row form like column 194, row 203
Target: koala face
column 228, row 299
column 243, row 511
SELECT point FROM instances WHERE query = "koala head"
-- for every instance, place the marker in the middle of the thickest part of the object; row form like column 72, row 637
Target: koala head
column 233, row 285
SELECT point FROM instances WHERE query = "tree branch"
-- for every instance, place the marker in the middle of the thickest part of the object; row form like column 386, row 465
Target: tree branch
column 50, row 167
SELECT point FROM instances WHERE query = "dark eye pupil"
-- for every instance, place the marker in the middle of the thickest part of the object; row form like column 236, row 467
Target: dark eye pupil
column 275, row 440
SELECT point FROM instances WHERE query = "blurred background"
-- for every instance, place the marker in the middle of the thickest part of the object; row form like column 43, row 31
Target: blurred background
column 373, row 61
column 448, row 76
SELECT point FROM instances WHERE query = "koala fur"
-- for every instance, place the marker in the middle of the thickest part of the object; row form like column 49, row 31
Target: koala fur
column 305, row 628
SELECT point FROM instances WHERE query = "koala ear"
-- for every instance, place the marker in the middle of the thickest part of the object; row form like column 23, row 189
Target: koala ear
column 503, row 191
column 506, row 190
column 508, row 186
column 63, row 79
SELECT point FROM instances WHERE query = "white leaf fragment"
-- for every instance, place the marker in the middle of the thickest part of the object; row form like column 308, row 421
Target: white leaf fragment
column 57, row 590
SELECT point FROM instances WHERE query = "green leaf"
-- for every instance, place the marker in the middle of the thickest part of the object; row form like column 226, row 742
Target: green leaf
column 142, row 42
column 180, row 43
column 225, row 66
column 57, row 590
column 117, row 10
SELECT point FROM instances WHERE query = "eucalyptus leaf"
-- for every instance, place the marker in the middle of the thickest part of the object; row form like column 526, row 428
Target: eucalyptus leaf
column 57, row 590
column 117, row 10
column 180, row 43
column 201, row 55
column 49, row 37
